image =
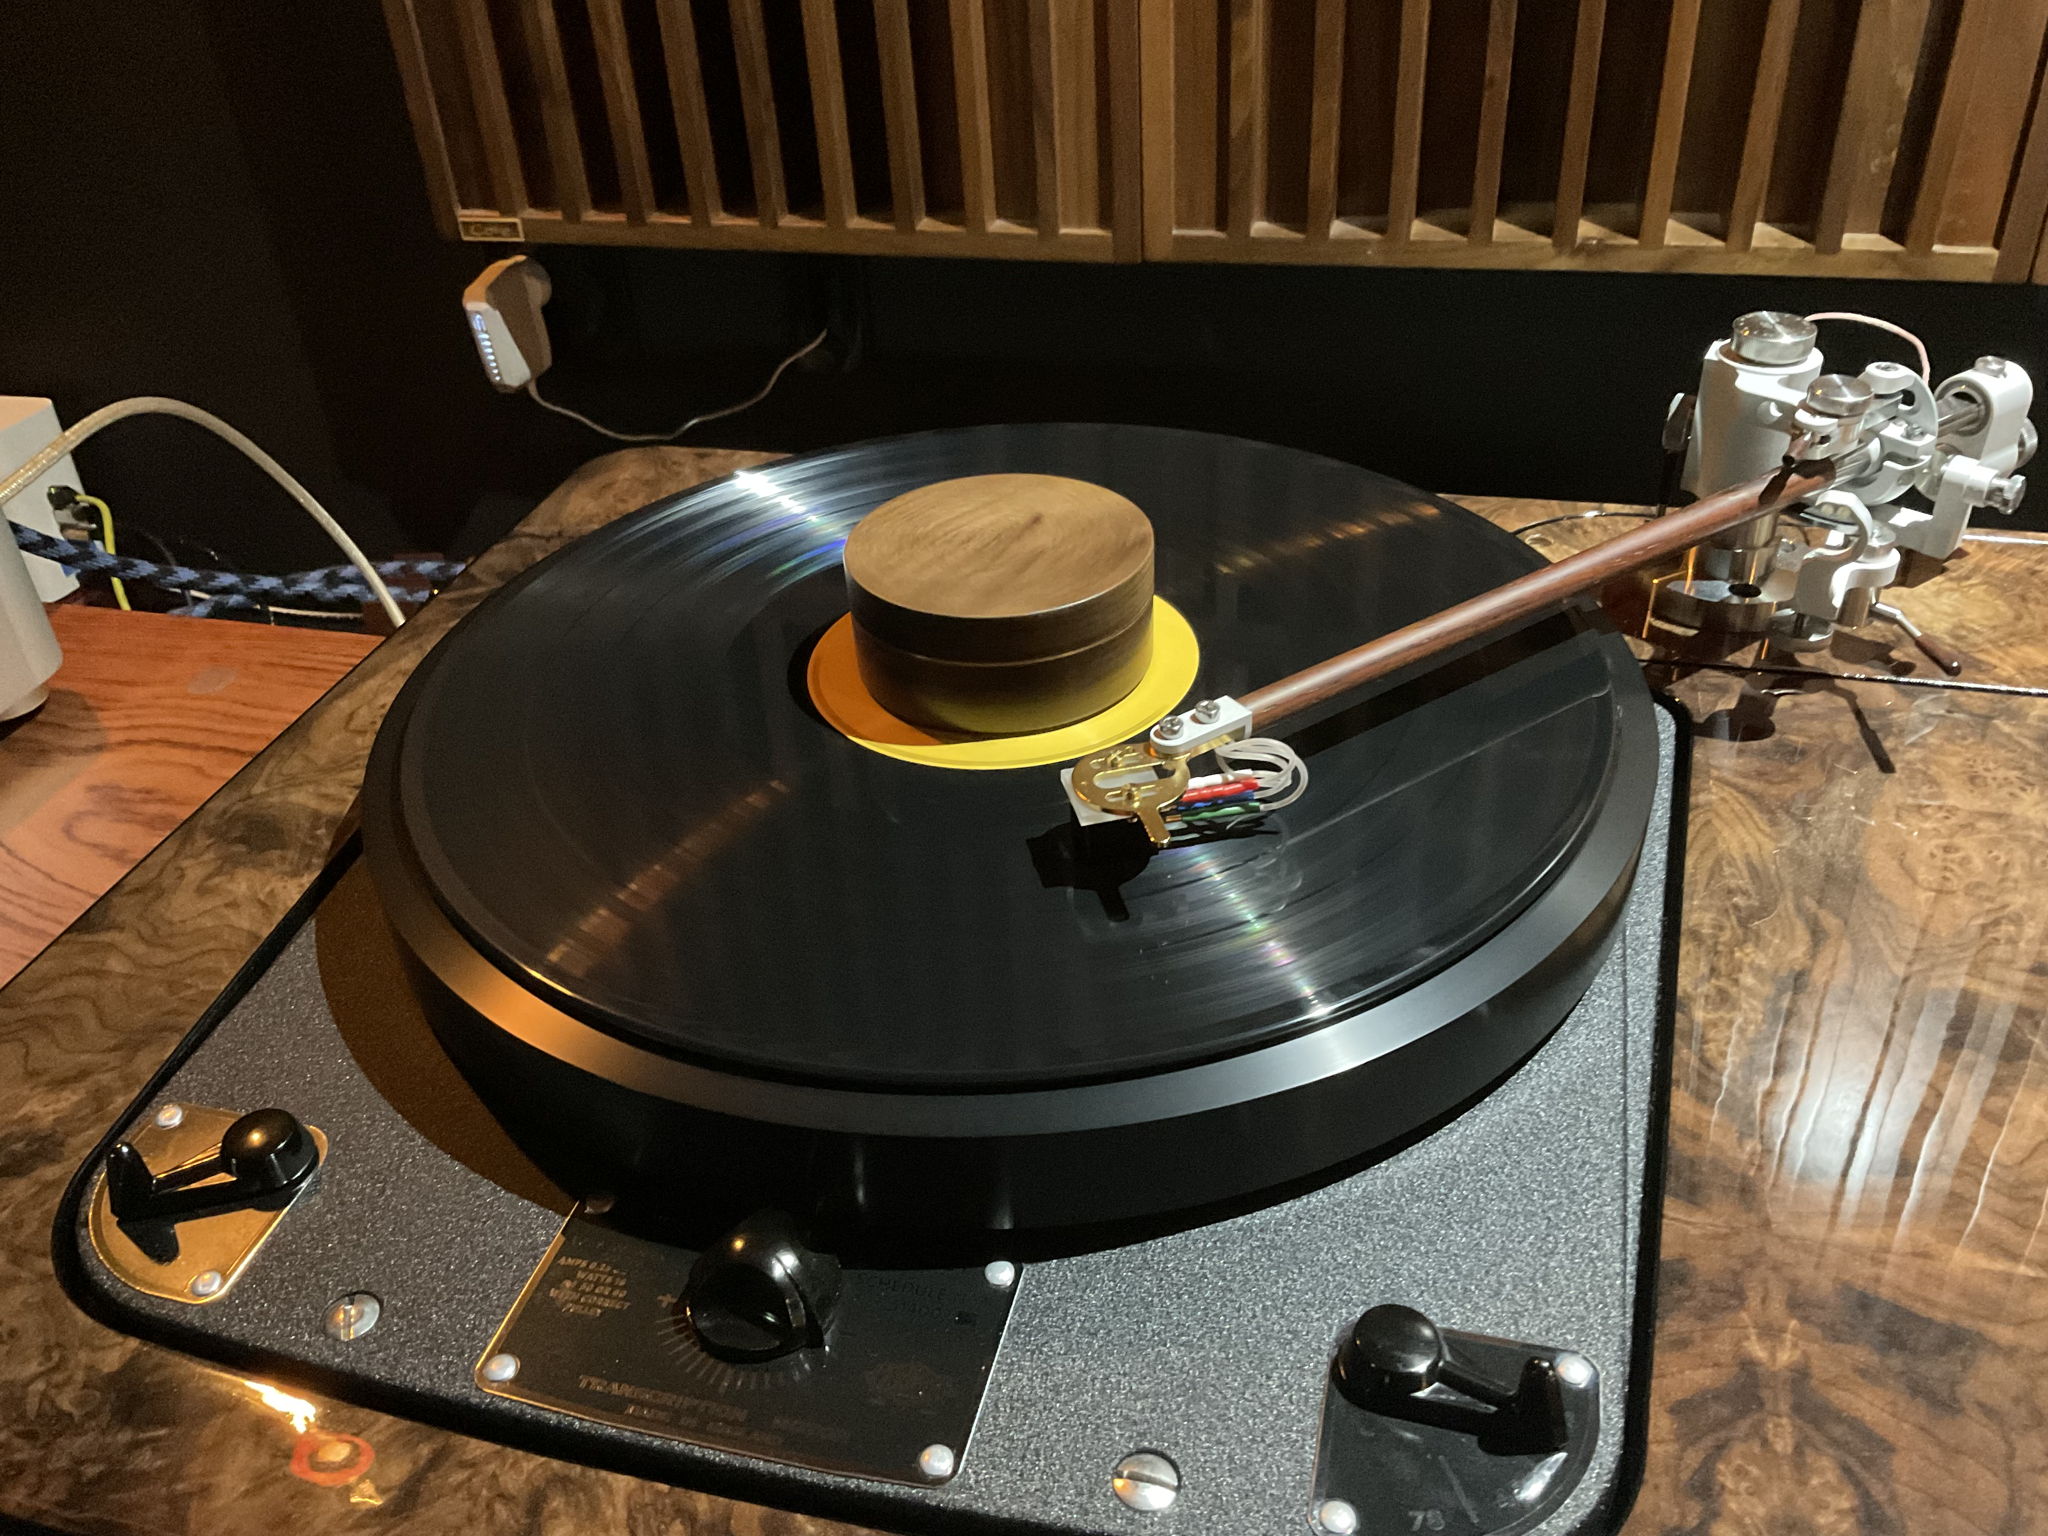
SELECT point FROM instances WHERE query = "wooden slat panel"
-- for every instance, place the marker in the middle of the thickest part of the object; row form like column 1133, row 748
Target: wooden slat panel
column 1671, row 98
column 1493, row 121
column 1198, row 107
column 899, row 111
column 2021, row 237
column 1760, row 138
column 1125, row 201
column 757, row 104
column 1995, row 125
column 494, row 117
column 970, row 92
column 686, row 97
column 1248, row 116
column 1054, row 194
column 1882, row 65
column 828, row 111
column 1577, row 143
column 1974, row 34
column 622, row 108
column 1158, row 152
column 557, row 111
column 1324, row 121
column 428, row 134
column 1404, row 175
column 1079, row 131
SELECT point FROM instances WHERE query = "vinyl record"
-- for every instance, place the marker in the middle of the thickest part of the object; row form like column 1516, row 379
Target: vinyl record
column 612, row 781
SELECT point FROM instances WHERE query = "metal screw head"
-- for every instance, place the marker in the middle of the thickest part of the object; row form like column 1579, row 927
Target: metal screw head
column 1000, row 1273
column 597, row 1205
column 171, row 1116
column 1573, row 1369
column 1146, row 1481
column 2004, row 495
column 1337, row 1517
column 1840, row 395
column 1995, row 366
column 499, row 1368
column 936, row 1461
column 1170, row 727
column 353, row 1316
column 1208, row 711
column 207, row 1282
column 1772, row 337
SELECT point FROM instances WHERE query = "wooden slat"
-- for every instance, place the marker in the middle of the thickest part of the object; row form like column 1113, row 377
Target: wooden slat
column 1046, row 113
column 1974, row 34
column 1249, row 119
column 1883, row 62
column 1995, row 126
column 1078, row 129
column 2021, row 237
column 1671, row 96
column 442, row 197
column 622, row 108
column 1493, row 121
column 557, row 110
column 686, row 99
column 1405, row 173
column 1157, row 151
column 493, row 116
column 828, row 111
column 1760, row 137
column 899, row 111
column 970, row 94
column 757, row 104
column 1325, row 127
column 1577, row 141
column 1125, row 200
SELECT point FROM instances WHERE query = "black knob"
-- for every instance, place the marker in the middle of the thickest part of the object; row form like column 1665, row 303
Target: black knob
column 759, row 1293
column 1391, row 1350
column 267, row 1150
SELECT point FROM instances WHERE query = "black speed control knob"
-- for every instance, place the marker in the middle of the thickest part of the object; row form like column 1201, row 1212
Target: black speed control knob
column 759, row 1293
column 1391, row 1351
column 268, row 1150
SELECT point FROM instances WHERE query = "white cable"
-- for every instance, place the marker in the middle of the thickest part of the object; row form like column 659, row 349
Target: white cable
column 144, row 405
column 533, row 392
column 1919, row 348
column 1288, row 772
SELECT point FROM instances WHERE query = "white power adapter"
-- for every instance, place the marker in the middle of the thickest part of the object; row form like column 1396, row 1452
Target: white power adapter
column 503, row 306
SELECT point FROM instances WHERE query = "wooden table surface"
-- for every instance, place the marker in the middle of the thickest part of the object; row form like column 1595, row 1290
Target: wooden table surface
column 147, row 716
column 1853, row 1311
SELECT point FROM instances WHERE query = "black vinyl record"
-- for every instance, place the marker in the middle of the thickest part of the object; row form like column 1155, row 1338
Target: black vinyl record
column 613, row 783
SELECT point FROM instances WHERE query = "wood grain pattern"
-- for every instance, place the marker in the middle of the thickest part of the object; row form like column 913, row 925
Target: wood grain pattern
column 686, row 98
column 1410, row 75
column 1581, row 96
column 1853, row 1283
column 543, row 35
column 1883, row 62
column 147, row 717
column 899, row 108
column 622, row 108
column 1493, row 121
column 1672, row 95
column 828, row 110
column 1760, row 135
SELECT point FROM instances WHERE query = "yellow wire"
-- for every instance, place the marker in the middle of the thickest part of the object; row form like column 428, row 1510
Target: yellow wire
column 107, row 533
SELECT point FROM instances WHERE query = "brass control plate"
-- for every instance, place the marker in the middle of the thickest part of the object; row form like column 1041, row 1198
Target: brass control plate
column 219, row 1245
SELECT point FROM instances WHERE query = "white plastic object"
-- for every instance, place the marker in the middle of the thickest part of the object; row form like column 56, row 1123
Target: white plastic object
column 1187, row 733
column 29, row 653
column 503, row 309
column 1739, row 424
column 26, row 423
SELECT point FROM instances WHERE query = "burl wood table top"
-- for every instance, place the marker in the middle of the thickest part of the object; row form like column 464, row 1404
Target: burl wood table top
column 1853, row 1309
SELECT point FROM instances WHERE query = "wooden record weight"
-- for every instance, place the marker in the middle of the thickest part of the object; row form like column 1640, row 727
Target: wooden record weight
column 1001, row 604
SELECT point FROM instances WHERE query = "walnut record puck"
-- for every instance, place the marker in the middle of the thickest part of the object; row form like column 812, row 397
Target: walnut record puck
column 1001, row 604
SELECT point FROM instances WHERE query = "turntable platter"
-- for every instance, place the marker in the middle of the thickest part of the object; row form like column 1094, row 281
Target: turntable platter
column 612, row 784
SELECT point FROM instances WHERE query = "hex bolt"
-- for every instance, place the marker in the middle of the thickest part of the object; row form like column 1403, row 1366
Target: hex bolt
column 1146, row 1481
column 936, row 1462
column 353, row 1316
column 1000, row 1273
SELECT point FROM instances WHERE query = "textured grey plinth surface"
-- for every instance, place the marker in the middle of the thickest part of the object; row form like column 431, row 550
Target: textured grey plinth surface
column 1521, row 1219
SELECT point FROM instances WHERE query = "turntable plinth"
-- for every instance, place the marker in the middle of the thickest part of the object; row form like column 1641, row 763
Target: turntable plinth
column 1000, row 604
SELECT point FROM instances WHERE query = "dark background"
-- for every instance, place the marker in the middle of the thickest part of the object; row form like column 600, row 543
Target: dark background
column 221, row 202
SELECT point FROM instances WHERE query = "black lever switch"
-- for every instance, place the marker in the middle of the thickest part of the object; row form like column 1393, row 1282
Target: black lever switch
column 1395, row 1362
column 265, row 1154
column 759, row 1293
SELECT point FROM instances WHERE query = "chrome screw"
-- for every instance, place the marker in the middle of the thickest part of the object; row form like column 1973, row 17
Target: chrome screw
column 171, row 1116
column 500, row 1368
column 207, row 1282
column 1000, row 1273
column 1573, row 1369
column 1208, row 711
column 936, row 1462
column 1337, row 1517
column 1146, row 1481
column 1169, row 728
column 1995, row 366
column 353, row 1316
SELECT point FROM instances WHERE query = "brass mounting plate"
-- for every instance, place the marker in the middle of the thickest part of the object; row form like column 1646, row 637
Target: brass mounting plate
column 221, row 1245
